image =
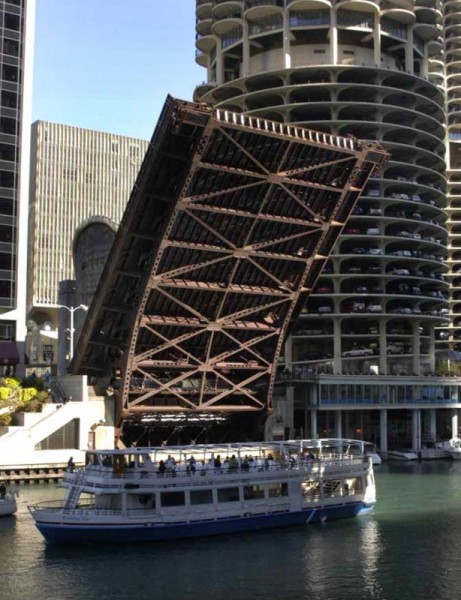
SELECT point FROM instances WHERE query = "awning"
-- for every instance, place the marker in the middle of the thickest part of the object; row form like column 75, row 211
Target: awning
column 8, row 353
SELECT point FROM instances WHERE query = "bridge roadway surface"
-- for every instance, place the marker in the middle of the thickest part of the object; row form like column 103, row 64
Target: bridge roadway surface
column 227, row 229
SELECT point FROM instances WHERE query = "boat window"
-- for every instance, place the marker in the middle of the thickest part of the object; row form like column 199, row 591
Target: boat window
column 276, row 490
column 253, row 492
column 201, row 497
column 172, row 498
column 90, row 459
column 106, row 460
column 311, row 489
column 147, row 500
column 228, row 495
column 331, row 488
column 355, row 485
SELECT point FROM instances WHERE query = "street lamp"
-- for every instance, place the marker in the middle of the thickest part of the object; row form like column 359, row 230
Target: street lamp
column 72, row 310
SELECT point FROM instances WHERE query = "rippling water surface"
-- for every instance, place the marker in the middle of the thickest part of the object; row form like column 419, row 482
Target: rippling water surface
column 410, row 548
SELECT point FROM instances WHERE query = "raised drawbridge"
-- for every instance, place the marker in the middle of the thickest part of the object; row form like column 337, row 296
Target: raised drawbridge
column 227, row 229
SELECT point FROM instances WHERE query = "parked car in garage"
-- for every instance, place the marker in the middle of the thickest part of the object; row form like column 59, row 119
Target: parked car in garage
column 358, row 351
column 374, row 307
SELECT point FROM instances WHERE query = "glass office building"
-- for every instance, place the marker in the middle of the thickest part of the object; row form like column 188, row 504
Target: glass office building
column 16, row 49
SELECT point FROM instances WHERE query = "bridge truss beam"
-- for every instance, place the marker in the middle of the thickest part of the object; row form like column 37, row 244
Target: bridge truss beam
column 227, row 229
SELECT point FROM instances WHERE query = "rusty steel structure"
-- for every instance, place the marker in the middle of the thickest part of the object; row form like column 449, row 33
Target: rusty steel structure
column 226, row 231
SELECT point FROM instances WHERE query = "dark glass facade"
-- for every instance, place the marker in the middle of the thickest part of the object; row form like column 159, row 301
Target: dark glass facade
column 12, row 25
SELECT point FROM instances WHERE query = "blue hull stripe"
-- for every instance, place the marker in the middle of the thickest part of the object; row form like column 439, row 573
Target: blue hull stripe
column 152, row 532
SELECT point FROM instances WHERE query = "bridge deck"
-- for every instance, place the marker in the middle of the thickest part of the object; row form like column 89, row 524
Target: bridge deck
column 226, row 231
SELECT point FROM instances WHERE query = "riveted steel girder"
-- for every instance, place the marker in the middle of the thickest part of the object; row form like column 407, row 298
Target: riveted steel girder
column 226, row 232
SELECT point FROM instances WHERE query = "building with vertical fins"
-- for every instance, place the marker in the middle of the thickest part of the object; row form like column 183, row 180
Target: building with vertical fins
column 76, row 174
column 17, row 40
column 371, row 353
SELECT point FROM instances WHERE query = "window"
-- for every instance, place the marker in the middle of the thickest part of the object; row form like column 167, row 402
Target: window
column 276, row 490
column 48, row 353
column 9, row 73
column 331, row 488
column 253, row 492
column 66, row 437
column 172, row 499
column 355, row 485
column 6, row 179
column 6, row 330
column 10, row 47
column 228, row 495
column 9, row 99
column 7, row 126
column 201, row 497
column 311, row 489
column 7, row 152
column 6, row 233
column 5, row 289
column 6, row 262
column 12, row 22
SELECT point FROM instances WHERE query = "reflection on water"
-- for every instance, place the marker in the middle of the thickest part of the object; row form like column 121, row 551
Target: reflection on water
column 370, row 551
column 408, row 550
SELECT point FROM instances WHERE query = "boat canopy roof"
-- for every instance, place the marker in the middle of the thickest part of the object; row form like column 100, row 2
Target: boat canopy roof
column 318, row 446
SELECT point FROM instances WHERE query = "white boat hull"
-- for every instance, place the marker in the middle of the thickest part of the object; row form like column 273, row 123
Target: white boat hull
column 148, row 531
column 402, row 455
column 7, row 507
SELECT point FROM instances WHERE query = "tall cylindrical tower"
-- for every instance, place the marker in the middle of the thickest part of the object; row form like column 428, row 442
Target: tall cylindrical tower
column 449, row 338
column 373, row 70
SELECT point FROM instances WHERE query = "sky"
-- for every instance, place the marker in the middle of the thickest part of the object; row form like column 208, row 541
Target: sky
column 109, row 64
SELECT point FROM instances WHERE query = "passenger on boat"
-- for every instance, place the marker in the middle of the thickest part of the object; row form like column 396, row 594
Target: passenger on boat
column 170, row 464
column 70, row 464
column 217, row 463
column 161, row 468
column 245, row 464
column 233, row 463
column 269, row 462
column 2, row 490
column 191, row 468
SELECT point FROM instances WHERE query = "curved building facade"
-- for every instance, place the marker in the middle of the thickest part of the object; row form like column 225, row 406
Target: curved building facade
column 449, row 339
column 374, row 70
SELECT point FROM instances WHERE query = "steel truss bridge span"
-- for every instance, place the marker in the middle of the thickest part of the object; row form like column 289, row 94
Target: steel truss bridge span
column 227, row 229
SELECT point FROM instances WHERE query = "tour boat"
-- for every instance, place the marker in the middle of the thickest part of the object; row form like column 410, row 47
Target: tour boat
column 151, row 494
column 8, row 504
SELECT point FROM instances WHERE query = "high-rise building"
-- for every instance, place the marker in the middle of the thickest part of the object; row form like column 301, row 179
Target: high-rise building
column 16, row 50
column 449, row 339
column 76, row 174
column 362, row 358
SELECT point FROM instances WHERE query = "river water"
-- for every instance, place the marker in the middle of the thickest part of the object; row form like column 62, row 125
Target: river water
column 410, row 548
